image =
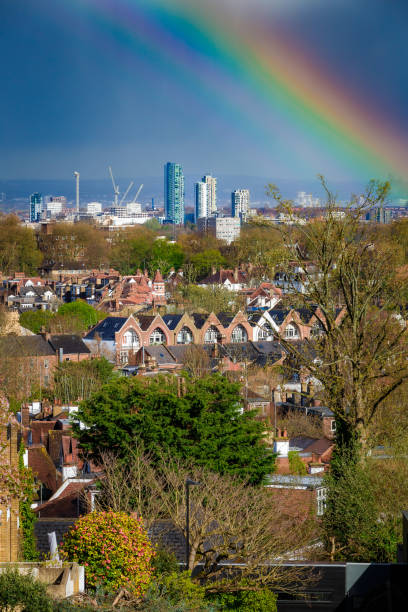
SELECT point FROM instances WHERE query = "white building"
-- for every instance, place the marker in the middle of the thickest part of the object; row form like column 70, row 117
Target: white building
column 94, row 208
column 306, row 200
column 240, row 203
column 211, row 185
column 223, row 228
column 134, row 208
column 201, row 208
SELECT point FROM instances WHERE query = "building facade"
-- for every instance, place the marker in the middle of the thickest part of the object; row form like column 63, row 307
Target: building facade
column 174, row 193
column 240, row 203
column 211, row 186
column 36, row 207
column 223, row 228
column 201, row 200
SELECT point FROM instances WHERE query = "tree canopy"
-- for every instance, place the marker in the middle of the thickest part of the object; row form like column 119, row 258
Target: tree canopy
column 205, row 425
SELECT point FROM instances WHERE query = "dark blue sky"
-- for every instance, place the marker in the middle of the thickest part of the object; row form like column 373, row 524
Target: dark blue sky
column 76, row 95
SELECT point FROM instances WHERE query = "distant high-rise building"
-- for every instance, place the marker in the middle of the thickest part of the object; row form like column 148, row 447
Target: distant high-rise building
column 174, row 193
column 306, row 200
column 94, row 208
column 223, row 228
column 211, row 184
column 201, row 201
column 36, row 207
column 240, row 203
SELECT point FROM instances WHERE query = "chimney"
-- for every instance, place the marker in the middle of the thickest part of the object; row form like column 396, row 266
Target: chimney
column 281, row 443
column 60, row 355
column 46, row 335
column 236, row 275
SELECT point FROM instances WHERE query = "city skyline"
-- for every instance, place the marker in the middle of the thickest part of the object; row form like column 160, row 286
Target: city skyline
column 286, row 89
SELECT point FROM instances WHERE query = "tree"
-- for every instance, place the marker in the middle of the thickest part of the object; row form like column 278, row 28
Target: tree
column 78, row 380
column 131, row 248
column 165, row 255
column 35, row 320
column 82, row 311
column 197, row 361
column 79, row 242
column 205, row 425
column 209, row 299
column 27, row 516
column 361, row 360
column 18, row 247
column 115, row 549
column 230, row 521
column 206, row 260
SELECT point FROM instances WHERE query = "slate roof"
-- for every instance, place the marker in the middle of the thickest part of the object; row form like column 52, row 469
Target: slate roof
column 171, row 320
column 107, row 328
column 25, row 346
column 145, row 321
column 254, row 317
column 199, row 319
column 161, row 354
column 69, row 343
column 278, row 315
column 225, row 318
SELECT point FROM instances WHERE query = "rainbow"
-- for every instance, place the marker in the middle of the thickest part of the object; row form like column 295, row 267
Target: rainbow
column 228, row 65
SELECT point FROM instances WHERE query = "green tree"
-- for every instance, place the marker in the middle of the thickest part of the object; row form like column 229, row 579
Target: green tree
column 82, row 311
column 165, row 255
column 35, row 320
column 206, row 425
column 131, row 249
column 209, row 299
column 27, row 516
column 204, row 261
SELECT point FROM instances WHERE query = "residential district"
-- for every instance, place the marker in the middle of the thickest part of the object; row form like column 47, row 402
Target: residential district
column 227, row 395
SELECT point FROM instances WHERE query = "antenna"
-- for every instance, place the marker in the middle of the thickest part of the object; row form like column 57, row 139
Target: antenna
column 76, row 174
column 137, row 194
column 126, row 192
column 115, row 188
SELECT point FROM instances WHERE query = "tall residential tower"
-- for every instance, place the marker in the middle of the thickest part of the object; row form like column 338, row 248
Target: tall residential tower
column 36, row 207
column 174, row 193
column 201, row 201
column 211, row 185
column 240, row 203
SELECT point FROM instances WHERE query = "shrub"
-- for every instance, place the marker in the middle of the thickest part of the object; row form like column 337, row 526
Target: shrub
column 179, row 587
column 114, row 548
column 22, row 592
column 263, row 600
column 296, row 465
column 164, row 562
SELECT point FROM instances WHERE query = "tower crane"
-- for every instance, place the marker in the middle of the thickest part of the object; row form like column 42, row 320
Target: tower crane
column 126, row 192
column 115, row 188
column 137, row 194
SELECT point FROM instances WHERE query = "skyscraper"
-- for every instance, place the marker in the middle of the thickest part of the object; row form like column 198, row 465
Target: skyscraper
column 174, row 193
column 36, row 207
column 201, row 200
column 211, row 184
column 240, row 203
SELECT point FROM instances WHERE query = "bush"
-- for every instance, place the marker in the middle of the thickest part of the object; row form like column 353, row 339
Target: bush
column 114, row 548
column 176, row 592
column 263, row 600
column 23, row 593
column 164, row 562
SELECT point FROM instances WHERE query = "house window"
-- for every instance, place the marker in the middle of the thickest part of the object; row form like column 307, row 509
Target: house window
column 265, row 332
column 45, row 363
column 131, row 339
column 157, row 337
column 333, row 425
column 321, row 501
column 317, row 329
column 123, row 357
column 212, row 335
column 46, row 380
column 239, row 334
column 292, row 331
column 184, row 336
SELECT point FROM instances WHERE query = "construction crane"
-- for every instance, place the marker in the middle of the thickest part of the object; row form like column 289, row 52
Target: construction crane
column 126, row 192
column 137, row 194
column 115, row 188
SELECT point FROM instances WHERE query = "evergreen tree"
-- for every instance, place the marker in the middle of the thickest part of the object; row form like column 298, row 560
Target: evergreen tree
column 204, row 424
column 27, row 516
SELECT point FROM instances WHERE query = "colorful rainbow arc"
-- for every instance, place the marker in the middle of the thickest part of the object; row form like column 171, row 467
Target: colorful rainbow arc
column 193, row 35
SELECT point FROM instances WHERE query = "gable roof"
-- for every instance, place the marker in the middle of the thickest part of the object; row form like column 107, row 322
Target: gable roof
column 172, row 320
column 161, row 354
column 145, row 321
column 69, row 343
column 107, row 328
column 278, row 315
column 199, row 319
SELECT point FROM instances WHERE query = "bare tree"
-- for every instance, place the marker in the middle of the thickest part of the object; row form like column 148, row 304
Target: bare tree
column 196, row 361
column 240, row 536
column 361, row 360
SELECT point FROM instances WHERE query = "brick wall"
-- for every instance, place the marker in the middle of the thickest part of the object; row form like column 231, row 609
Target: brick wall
column 44, row 526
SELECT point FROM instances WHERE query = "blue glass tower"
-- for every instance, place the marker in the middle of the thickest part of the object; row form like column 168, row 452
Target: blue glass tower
column 174, row 193
column 36, row 207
